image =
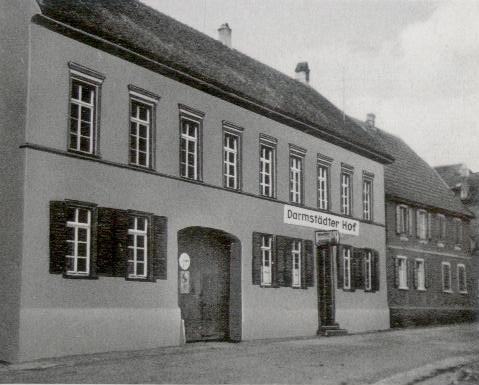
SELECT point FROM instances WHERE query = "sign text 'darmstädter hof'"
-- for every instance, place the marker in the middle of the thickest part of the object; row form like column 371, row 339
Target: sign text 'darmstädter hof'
column 321, row 221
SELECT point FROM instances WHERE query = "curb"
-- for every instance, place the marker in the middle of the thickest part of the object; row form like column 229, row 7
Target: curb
column 427, row 371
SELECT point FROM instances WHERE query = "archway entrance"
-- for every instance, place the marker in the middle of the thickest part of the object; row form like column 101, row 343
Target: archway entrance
column 209, row 284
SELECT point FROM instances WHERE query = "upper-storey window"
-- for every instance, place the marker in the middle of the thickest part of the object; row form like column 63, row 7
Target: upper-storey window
column 190, row 143
column 368, row 196
column 267, row 166
column 142, row 119
column 324, row 172
column 402, row 219
column 346, row 190
column 231, row 157
column 422, row 224
column 296, row 174
column 442, row 228
column 458, row 232
column 85, row 87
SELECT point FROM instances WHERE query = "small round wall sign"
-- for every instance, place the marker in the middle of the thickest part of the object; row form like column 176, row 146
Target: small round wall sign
column 184, row 261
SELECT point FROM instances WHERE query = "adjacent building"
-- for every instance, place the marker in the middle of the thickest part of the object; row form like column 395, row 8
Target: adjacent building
column 159, row 186
column 428, row 248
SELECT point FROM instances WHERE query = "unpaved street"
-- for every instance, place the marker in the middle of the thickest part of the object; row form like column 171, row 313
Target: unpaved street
column 353, row 359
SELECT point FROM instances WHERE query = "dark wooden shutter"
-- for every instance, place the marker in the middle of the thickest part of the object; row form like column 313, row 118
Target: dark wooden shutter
column 396, row 272
column 375, row 271
column 363, row 268
column 284, row 261
column 94, row 242
column 274, row 263
column 357, row 281
column 339, row 266
column 418, row 224
column 429, row 226
column 427, row 275
column 398, row 219
column 410, row 273
column 257, row 262
column 414, row 274
column 160, row 249
column 412, row 223
column 105, row 240
column 308, row 264
column 120, row 244
column 58, row 236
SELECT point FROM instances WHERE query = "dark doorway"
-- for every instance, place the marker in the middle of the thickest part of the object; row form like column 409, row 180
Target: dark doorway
column 326, row 286
column 205, row 283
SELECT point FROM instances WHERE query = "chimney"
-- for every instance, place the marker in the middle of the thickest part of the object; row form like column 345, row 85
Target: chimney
column 302, row 72
column 224, row 34
column 370, row 120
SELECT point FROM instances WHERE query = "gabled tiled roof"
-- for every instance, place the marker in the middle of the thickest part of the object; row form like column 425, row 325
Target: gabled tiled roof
column 145, row 31
column 410, row 178
column 454, row 177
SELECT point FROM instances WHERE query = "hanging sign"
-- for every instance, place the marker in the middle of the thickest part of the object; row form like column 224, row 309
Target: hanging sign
column 184, row 261
column 322, row 221
column 328, row 237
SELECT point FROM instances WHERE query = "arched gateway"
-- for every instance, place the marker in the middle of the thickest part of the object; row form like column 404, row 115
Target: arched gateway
column 209, row 284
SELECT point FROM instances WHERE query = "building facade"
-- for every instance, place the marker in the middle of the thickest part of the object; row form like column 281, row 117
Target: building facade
column 428, row 249
column 157, row 194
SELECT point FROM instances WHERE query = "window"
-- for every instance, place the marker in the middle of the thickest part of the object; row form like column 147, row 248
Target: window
column 267, row 166
column 422, row 224
column 346, row 193
column 442, row 228
column 420, row 278
column 137, row 247
column 368, row 258
column 296, row 179
column 190, row 143
column 296, row 252
column 402, row 219
column 84, row 105
column 458, row 232
column 367, row 199
column 346, row 267
column 446, row 277
column 323, row 187
column 266, row 256
column 78, row 241
column 461, row 278
column 140, row 133
column 231, row 160
column 402, row 272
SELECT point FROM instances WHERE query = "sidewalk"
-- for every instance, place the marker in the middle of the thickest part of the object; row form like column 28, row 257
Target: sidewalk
column 392, row 357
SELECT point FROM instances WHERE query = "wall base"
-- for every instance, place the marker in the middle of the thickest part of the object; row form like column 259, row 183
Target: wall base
column 362, row 320
column 53, row 332
column 404, row 317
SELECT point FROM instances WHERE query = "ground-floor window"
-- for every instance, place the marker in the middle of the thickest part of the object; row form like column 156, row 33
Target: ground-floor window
column 401, row 272
column 461, row 278
column 419, row 274
column 137, row 247
column 296, row 255
column 446, row 277
column 266, row 253
column 78, row 241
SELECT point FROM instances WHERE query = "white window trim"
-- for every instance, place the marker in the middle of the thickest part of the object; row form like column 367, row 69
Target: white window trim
column 296, row 251
column 458, row 223
column 403, row 285
column 80, row 225
column 323, row 180
column 296, row 173
column 367, row 199
column 149, row 124
column 441, row 236
column 450, row 277
column 346, row 193
column 420, row 228
column 423, row 287
column 139, row 233
column 236, row 162
column 404, row 222
column 459, row 266
column 346, row 267
column 262, row 173
column 195, row 140
column 266, row 253
column 368, row 262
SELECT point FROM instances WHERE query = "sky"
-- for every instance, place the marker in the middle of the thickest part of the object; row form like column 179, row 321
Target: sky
column 414, row 64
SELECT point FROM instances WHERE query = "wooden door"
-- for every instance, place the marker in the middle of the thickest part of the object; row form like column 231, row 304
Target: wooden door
column 326, row 286
column 205, row 308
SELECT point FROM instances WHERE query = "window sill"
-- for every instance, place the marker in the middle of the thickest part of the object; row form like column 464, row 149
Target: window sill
column 440, row 244
column 140, row 167
column 456, row 247
column 463, row 292
column 78, row 276
column 139, row 279
column 421, row 289
column 403, row 288
column 84, row 154
column 447, row 291
column 403, row 238
column 423, row 241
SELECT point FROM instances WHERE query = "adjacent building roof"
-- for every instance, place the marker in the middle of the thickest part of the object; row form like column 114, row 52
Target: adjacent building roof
column 458, row 177
column 411, row 179
column 132, row 25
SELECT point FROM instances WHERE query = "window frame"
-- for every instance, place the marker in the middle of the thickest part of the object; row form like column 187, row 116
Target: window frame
column 442, row 227
column 76, row 225
column 346, row 256
column 323, row 163
column 141, row 96
column 368, row 178
column 235, row 131
column 459, row 289
column 271, row 144
column 368, row 270
column 443, row 265
column 196, row 117
column 422, row 227
column 402, row 267
column 297, row 252
column 91, row 78
column 264, row 250
column 346, row 209
column 420, row 261
column 458, row 233
column 404, row 221
column 296, row 187
column 148, row 249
